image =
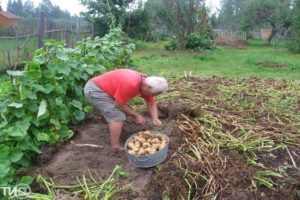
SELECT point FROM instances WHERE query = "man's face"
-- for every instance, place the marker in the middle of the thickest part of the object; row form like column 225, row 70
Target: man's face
column 146, row 90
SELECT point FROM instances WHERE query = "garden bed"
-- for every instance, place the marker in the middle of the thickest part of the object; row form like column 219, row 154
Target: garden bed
column 230, row 139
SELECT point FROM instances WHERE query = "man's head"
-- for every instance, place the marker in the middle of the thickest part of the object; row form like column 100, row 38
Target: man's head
column 154, row 85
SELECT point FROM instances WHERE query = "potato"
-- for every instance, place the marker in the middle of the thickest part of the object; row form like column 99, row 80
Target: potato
column 152, row 151
column 137, row 144
column 147, row 133
column 130, row 145
column 136, row 149
column 155, row 146
column 132, row 152
column 162, row 145
column 155, row 141
column 141, row 140
column 141, row 152
column 146, row 144
column 148, row 149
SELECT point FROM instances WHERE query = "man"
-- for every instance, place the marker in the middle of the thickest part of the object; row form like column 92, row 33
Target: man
column 111, row 91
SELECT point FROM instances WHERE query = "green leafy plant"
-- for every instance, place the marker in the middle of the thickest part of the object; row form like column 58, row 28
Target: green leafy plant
column 47, row 96
column 171, row 44
column 198, row 42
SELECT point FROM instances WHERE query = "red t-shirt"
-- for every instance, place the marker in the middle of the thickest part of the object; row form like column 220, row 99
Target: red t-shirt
column 122, row 85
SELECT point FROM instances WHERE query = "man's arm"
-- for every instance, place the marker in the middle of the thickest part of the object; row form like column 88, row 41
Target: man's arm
column 138, row 118
column 153, row 111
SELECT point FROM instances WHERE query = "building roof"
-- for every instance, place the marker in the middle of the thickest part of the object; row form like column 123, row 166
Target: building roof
column 9, row 15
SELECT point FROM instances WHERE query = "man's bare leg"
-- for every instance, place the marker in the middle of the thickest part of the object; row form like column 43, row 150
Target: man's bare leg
column 115, row 129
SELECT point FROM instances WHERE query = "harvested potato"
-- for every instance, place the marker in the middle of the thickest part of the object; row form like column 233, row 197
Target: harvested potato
column 145, row 142
column 141, row 152
column 156, row 146
column 136, row 149
column 141, row 140
column 151, row 151
column 137, row 144
column 132, row 152
column 155, row 141
column 130, row 145
column 161, row 146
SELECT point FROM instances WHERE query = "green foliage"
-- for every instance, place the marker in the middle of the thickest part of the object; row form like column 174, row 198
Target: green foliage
column 28, row 9
column 198, row 42
column 179, row 18
column 294, row 46
column 171, row 44
column 152, row 58
column 137, row 24
column 192, row 41
column 230, row 14
column 275, row 14
column 106, row 13
column 47, row 96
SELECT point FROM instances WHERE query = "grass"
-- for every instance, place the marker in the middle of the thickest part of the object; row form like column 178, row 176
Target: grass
column 10, row 45
column 151, row 58
column 90, row 188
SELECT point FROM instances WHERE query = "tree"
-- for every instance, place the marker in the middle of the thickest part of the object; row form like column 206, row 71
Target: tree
column 230, row 13
column 106, row 13
column 295, row 45
column 180, row 17
column 16, row 7
column 29, row 8
column 274, row 14
column 137, row 23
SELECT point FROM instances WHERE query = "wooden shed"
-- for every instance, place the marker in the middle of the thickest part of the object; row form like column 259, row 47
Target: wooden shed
column 8, row 19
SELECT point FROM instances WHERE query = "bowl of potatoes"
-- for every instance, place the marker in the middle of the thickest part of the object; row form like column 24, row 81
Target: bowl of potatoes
column 147, row 149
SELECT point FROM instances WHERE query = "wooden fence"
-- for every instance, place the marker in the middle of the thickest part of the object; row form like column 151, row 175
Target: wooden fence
column 21, row 47
column 238, row 34
column 243, row 35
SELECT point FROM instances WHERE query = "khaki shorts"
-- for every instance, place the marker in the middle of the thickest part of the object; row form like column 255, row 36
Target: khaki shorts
column 103, row 102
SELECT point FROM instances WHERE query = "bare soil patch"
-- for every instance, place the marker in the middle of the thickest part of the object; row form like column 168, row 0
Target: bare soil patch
column 273, row 64
column 224, row 133
column 231, row 42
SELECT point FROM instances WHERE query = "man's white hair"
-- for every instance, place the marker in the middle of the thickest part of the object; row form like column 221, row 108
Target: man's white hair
column 158, row 84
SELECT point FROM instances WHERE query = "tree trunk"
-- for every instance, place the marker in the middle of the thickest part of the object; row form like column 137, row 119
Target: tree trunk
column 273, row 33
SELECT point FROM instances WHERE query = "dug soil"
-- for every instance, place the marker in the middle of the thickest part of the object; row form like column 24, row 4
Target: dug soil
column 229, row 139
column 64, row 163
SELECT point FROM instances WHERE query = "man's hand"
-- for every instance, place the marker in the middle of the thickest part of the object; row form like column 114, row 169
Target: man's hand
column 156, row 122
column 139, row 119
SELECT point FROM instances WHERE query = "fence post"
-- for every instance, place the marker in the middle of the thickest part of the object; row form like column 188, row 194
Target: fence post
column 93, row 30
column 68, row 38
column 77, row 29
column 41, row 29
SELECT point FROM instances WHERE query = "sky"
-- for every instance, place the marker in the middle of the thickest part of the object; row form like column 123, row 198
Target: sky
column 74, row 6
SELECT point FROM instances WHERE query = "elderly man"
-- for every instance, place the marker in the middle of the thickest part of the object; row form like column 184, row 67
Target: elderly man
column 111, row 91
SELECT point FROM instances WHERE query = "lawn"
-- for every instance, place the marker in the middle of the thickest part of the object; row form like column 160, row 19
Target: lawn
column 152, row 58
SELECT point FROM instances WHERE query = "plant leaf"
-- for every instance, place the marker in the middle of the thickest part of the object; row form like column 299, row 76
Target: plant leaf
column 15, row 155
column 42, row 109
column 42, row 137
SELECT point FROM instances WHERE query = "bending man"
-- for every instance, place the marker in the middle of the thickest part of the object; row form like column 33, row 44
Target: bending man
column 111, row 91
